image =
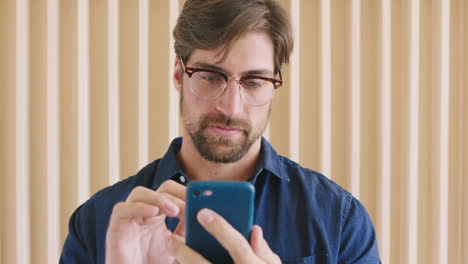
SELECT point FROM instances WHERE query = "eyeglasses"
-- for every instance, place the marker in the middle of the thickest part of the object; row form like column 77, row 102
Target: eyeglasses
column 209, row 84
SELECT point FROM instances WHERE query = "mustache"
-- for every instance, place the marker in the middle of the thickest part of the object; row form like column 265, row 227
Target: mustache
column 224, row 120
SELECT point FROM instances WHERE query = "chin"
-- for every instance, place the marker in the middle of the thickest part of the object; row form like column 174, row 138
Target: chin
column 223, row 152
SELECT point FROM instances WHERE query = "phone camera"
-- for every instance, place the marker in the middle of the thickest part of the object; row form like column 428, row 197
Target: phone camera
column 197, row 193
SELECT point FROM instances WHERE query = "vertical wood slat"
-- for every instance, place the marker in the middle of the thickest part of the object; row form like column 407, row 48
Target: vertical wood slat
column 3, row 21
column 355, row 98
column 342, row 91
column 294, row 105
column 83, row 101
column 113, row 82
column 460, row 190
column 173, row 94
column 23, row 246
column 6, row 22
column 277, row 132
column 413, row 133
column 400, row 22
column 99, row 75
column 143, row 128
column 8, row 139
column 159, row 78
column 455, row 137
column 464, row 128
column 384, row 188
column 444, row 94
column 436, row 34
column 68, row 111
column 53, row 135
column 128, row 87
column 325, row 88
column 464, row 143
column 38, row 130
column 370, row 35
column 310, row 73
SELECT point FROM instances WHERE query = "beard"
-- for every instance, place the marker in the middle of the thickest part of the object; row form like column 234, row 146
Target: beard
column 216, row 148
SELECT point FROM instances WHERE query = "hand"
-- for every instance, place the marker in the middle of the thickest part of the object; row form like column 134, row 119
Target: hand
column 137, row 230
column 238, row 247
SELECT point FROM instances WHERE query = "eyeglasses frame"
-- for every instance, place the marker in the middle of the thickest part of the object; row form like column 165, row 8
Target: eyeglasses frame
column 191, row 70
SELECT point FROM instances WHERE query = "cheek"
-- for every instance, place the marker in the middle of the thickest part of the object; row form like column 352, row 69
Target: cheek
column 260, row 116
column 191, row 105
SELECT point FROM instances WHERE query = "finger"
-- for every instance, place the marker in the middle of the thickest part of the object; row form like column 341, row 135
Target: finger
column 168, row 204
column 179, row 237
column 256, row 237
column 184, row 254
column 172, row 205
column 233, row 241
column 180, row 229
column 260, row 246
column 129, row 210
column 176, row 189
column 176, row 193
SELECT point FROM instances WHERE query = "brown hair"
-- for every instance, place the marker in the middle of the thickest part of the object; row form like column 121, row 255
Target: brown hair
column 208, row 24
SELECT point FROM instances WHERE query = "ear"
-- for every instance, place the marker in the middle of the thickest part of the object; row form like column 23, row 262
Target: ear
column 177, row 76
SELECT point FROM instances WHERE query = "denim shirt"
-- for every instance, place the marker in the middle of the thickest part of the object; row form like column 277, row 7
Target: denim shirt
column 305, row 217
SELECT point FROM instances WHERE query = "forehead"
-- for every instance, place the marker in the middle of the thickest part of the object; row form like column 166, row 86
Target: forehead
column 252, row 51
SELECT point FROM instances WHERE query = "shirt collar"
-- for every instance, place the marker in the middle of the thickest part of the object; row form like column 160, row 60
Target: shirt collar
column 270, row 161
column 169, row 166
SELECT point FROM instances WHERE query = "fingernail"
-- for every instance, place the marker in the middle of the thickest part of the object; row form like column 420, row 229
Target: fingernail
column 260, row 231
column 154, row 210
column 171, row 207
column 205, row 216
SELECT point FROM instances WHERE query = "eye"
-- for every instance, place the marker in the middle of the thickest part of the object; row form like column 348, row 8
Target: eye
column 252, row 83
column 210, row 77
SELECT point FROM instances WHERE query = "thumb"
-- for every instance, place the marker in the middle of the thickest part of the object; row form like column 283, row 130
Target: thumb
column 260, row 246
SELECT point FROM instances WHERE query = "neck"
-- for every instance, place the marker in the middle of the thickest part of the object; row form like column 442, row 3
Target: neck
column 198, row 168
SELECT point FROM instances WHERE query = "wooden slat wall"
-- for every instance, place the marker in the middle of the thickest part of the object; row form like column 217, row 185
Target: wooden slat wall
column 375, row 97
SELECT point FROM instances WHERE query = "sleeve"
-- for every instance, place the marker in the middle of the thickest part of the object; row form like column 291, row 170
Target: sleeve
column 358, row 241
column 74, row 249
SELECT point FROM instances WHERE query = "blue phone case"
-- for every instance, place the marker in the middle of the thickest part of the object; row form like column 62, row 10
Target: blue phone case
column 232, row 200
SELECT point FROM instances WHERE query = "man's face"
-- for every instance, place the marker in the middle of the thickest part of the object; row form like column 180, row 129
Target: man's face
column 224, row 129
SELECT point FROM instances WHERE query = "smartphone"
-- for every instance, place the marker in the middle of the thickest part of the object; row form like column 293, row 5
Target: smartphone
column 233, row 200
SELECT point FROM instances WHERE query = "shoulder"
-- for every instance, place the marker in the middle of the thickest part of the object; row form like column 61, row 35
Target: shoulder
column 314, row 181
column 342, row 214
column 120, row 190
column 99, row 206
column 324, row 192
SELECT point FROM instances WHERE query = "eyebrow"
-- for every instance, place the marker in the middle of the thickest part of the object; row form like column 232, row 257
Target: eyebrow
column 216, row 68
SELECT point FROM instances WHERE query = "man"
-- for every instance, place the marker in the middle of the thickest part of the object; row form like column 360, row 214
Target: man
column 229, row 56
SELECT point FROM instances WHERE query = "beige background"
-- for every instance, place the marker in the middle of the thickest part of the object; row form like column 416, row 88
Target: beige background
column 376, row 97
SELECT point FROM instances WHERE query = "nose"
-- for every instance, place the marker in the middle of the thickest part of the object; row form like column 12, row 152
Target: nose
column 230, row 102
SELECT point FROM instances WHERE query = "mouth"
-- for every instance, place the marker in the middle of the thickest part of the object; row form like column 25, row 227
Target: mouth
column 224, row 131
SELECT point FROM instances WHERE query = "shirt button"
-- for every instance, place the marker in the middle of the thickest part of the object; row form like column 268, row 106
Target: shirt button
column 182, row 179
